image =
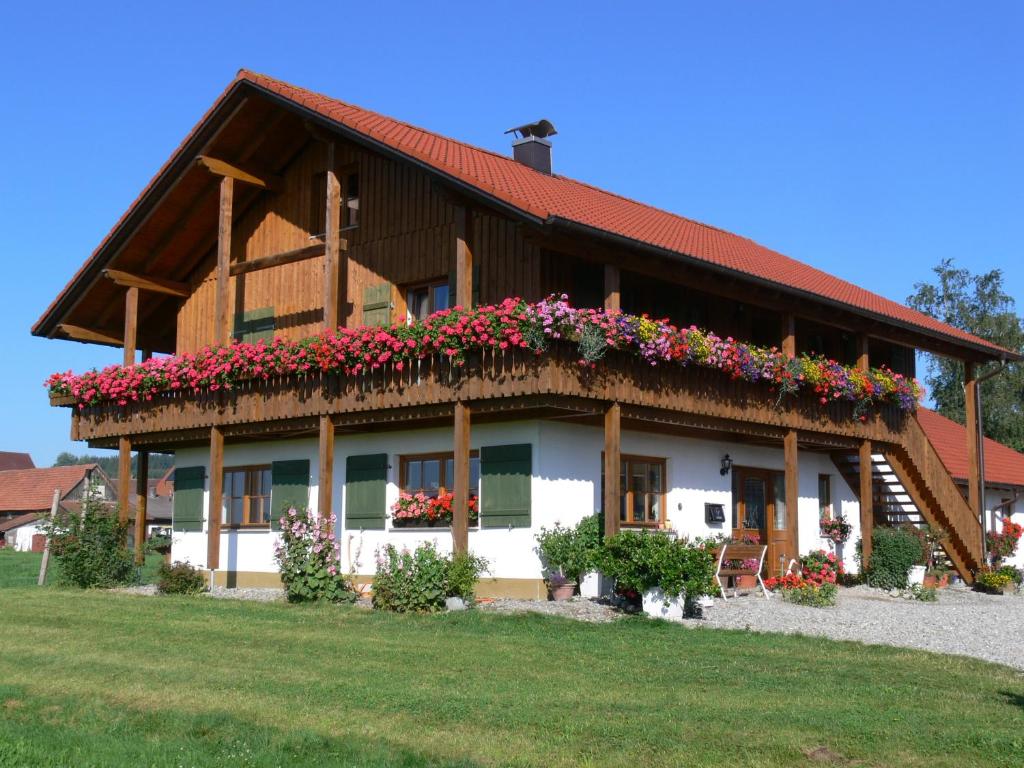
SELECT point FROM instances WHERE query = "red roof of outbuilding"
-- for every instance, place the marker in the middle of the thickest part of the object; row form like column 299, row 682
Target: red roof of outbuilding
column 23, row 490
column 14, row 460
column 1003, row 465
column 555, row 198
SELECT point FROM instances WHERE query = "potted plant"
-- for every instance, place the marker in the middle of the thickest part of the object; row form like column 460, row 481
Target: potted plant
column 936, row 577
column 836, row 528
column 746, row 581
column 566, row 554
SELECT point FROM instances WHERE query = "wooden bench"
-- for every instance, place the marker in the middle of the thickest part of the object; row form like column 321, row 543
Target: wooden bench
column 734, row 551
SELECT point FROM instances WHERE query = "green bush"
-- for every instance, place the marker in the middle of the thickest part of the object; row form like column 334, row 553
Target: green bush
column 421, row 581
column 89, row 547
column 641, row 561
column 158, row 545
column 814, row 595
column 570, row 552
column 307, row 556
column 893, row 552
column 180, row 579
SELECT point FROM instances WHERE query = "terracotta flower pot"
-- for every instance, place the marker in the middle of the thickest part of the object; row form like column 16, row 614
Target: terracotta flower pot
column 746, row 582
column 562, row 591
column 933, row 582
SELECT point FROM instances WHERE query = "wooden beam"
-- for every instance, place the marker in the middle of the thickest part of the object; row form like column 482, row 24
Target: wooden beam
column 124, row 478
column 460, row 492
column 332, row 251
column 612, row 288
column 233, row 171
column 131, row 318
column 277, row 259
column 973, row 456
column 216, row 498
column 867, row 502
column 154, row 284
column 141, row 496
column 791, row 454
column 789, row 334
column 463, row 257
column 77, row 333
column 863, row 358
column 325, row 482
column 222, row 326
column 612, row 467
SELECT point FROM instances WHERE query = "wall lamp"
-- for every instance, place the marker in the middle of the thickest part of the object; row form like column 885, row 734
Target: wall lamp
column 726, row 465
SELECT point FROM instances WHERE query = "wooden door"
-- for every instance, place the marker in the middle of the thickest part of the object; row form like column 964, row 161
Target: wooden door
column 760, row 510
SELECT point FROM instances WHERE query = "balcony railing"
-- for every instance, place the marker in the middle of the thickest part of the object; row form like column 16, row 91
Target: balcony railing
column 495, row 381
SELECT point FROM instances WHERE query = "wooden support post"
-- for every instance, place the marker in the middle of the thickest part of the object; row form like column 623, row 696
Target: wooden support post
column 463, row 257
column 867, row 502
column 612, row 289
column 867, row 479
column 332, row 241
column 460, row 493
column 216, row 498
column 973, row 456
column 124, row 477
column 141, row 500
column 131, row 318
column 222, row 331
column 325, row 483
column 790, row 451
column 789, row 334
column 612, row 468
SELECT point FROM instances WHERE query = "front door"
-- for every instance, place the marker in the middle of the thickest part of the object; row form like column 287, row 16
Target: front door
column 759, row 509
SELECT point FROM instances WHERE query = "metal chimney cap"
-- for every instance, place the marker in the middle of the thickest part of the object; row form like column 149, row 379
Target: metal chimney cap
column 541, row 129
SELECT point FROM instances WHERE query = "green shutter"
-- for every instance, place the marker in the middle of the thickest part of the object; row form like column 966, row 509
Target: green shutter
column 289, row 482
column 377, row 304
column 505, row 475
column 254, row 325
column 366, row 480
column 187, row 512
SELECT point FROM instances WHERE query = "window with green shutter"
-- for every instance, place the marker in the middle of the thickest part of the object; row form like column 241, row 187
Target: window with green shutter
column 254, row 325
column 366, row 480
column 289, row 488
column 187, row 511
column 377, row 304
column 505, row 479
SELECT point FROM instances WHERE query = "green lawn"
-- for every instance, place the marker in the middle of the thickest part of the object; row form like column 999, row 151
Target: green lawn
column 21, row 569
column 97, row 679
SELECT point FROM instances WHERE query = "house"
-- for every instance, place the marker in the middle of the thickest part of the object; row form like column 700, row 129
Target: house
column 26, row 497
column 288, row 214
column 13, row 460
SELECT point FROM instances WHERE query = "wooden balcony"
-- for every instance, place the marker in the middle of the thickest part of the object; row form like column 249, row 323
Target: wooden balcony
column 504, row 384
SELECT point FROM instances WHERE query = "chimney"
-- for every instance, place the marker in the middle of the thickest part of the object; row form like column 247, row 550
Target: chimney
column 531, row 146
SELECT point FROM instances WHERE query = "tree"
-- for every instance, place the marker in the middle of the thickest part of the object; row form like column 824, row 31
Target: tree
column 979, row 305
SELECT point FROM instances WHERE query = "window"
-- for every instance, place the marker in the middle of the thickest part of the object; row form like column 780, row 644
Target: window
column 423, row 300
column 642, row 488
column 434, row 473
column 246, row 496
column 824, row 497
column 349, row 182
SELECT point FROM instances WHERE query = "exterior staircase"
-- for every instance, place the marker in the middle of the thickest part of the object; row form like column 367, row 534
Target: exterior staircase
column 912, row 486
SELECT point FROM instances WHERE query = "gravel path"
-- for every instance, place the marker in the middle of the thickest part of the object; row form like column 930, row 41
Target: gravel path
column 962, row 622
column 578, row 608
column 263, row 595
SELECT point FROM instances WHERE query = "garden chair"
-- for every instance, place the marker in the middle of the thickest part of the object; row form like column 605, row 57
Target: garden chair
column 733, row 551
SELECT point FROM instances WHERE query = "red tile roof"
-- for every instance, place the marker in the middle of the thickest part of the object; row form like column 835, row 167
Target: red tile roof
column 13, row 460
column 556, row 198
column 1003, row 465
column 24, row 490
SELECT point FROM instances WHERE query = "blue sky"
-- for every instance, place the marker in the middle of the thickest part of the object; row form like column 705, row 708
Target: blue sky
column 871, row 139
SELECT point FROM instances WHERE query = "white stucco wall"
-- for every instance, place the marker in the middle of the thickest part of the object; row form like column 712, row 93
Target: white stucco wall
column 566, row 487
column 21, row 537
column 993, row 498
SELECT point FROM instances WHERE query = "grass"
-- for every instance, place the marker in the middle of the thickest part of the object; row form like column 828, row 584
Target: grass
column 21, row 569
column 99, row 679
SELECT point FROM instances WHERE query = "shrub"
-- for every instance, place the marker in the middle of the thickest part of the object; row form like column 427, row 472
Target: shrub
column 570, row 552
column 421, row 581
column 307, row 556
column 814, row 595
column 89, row 548
column 641, row 561
column 180, row 579
column 893, row 552
column 924, row 594
column 990, row 580
column 158, row 544
column 821, row 567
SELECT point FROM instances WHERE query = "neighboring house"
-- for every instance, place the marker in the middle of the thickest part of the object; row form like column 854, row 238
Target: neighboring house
column 26, row 496
column 12, row 460
column 285, row 212
column 159, row 504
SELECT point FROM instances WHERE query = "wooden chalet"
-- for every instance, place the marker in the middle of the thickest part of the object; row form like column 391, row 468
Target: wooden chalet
column 285, row 212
